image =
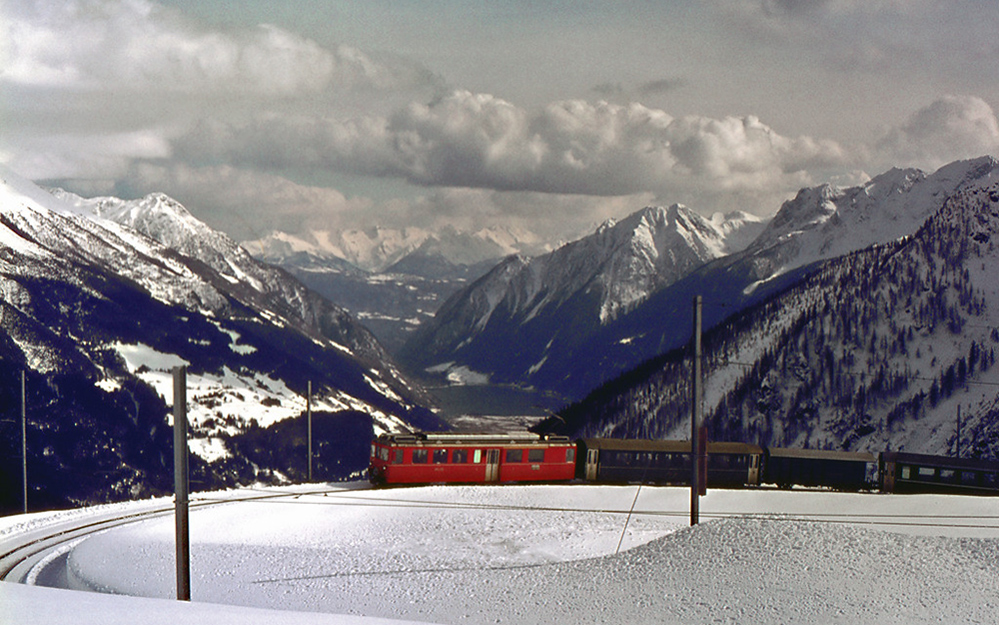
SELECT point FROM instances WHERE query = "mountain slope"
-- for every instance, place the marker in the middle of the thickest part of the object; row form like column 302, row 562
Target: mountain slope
column 507, row 323
column 883, row 348
column 97, row 313
column 820, row 223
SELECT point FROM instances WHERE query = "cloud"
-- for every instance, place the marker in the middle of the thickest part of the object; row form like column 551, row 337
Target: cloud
column 91, row 85
column 246, row 204
column 661, row 86
column 951, row 128
column 572, row 147
column 100, row 156
column 911, row 38
column 137, row 45
column 249, row 204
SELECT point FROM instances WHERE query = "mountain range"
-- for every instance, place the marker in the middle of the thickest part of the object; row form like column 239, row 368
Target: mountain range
column 392, row 279
column 856, row 318
column 889, row 347
column 507, row 324
column 103, row 297
column 553, row 323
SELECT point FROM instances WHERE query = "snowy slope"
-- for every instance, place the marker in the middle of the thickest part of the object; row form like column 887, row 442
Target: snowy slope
column 543, row 303
column 826, row 221
column 98, row 311
column 530, row 554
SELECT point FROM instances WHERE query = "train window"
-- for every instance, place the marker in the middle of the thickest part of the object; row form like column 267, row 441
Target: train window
column 968, row 477
column 989, row 480
column 398, row 457
column 906, row 472
column 440, row 456
column 927, row 471
column 570, row 454
column 514, row 455
column 536, row 455
column 419, row 456
column 477, row 456
column 459, row 456
column 947, row 474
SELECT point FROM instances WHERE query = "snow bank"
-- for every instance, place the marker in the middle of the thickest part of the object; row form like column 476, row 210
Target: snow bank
column 32, row 605
column 547, row 554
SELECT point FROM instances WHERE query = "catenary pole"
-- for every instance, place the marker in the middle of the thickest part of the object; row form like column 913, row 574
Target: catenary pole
column 957, row 441
column 180, row 483
column 24, row 440
column 308, row 411
column 695, row 416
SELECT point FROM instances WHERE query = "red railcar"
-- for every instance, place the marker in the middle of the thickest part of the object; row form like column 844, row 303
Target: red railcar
column 430, row 458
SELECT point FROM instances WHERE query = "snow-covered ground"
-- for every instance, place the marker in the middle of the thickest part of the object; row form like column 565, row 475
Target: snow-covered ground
column 537, row 554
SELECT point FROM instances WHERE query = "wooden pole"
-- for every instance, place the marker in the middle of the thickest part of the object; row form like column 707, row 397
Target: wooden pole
column 24, row 440
column 180, row 483
column 308, row 411
column 957, row 440
column 696, row 417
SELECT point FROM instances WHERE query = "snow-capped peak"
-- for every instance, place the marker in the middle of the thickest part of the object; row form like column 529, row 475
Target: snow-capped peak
column 590, row 281
column 827, row 221
column 377, row 249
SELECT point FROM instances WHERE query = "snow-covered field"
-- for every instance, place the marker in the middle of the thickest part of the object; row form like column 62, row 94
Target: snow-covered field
column 537, row 554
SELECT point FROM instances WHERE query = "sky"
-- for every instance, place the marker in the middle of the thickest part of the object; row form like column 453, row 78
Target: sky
column 298, row 115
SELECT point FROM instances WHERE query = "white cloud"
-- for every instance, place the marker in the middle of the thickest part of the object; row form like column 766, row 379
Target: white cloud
column 249, row 204
column 951, row 128
column 571, row 147
column 102, row 156
column 246, row 204
column 138, row 45
column 900, row 41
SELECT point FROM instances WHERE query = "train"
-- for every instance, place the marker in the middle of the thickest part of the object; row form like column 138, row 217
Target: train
column 525, row 457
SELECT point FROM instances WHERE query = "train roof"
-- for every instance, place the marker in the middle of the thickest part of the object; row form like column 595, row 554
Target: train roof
column 940, row 461
column 821, row 454
column 672, row 446
column 471, row 438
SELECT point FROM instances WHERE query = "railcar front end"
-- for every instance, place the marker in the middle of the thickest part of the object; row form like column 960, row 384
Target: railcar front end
column 449, row 457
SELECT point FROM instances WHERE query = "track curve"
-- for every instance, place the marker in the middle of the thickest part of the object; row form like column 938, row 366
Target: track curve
column 30, row 552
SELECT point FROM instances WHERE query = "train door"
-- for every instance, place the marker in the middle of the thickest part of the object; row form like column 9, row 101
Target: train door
column 887, row 474
column 592, row 456
column 492, row 465
column 753, row 478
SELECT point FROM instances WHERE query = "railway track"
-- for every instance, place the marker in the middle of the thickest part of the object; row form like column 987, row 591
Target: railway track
column 32, row 549
column 29, row 553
